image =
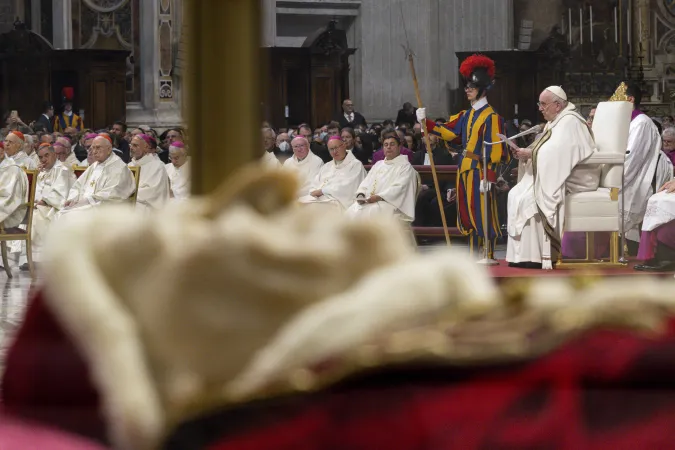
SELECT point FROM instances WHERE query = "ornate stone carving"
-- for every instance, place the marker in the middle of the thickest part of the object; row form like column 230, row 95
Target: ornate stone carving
column 105, row 6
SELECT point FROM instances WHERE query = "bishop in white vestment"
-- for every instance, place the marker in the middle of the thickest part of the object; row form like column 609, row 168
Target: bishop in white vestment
column 179, row 171
column 13, row 192
column 390, row 188
column 548, row 170
column 304, row 163
column 107, row 180
column 336, row 184
column 153, row 186
column 644, row 145
column 51, row 191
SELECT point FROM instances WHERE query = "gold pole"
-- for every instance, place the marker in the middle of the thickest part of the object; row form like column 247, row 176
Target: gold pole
column 223, row 88
column 427, row 143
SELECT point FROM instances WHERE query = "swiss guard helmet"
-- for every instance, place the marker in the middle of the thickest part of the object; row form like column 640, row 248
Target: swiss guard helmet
column 478, row 72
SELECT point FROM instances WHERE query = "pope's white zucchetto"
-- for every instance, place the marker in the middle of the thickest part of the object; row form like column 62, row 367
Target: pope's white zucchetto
column 557, row 90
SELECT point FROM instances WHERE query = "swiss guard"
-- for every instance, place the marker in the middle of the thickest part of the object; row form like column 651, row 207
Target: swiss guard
column 474, row 126
column 68, row 118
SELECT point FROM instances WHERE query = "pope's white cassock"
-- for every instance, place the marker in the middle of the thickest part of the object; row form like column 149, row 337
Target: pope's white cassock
column 13, row 193
column 153, row 185
column 107, row 182
column 545, row 179
column 396, row 182
column 52, row 187
column 644, row 146
column 338, row 180
column 307, row 170
column 179, row 179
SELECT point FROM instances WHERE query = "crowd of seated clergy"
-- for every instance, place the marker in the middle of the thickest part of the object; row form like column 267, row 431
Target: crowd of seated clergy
column 82, row 169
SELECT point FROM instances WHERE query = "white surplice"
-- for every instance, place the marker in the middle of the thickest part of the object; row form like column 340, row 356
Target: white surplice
column 36, row 159
column 23, row 160
column 307, row 170
column 179, row 179
column 107, row 182
column 153, row 185
column 396, row 182
column 270, row 161
column 644, row 145
column 565, row 142
column 71, row 160
column 13, row 193
column 52, row 187
column 338, row 180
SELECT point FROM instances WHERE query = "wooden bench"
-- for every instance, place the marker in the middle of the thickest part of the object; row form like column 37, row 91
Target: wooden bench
column 445, row 174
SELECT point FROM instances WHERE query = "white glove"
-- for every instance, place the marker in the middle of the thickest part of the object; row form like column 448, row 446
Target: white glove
column 422, row 116
column 485, row 186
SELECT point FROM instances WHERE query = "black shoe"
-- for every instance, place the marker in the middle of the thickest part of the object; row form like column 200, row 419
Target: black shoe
column 656, row 266
column 24, row 267
column 525, row 265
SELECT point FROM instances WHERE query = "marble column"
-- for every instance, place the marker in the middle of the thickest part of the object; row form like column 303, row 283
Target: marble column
column 269, row 22
column 62, row 20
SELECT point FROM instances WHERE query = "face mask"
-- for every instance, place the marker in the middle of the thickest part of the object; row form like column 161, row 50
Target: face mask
column 323, row 135
column 285, row 146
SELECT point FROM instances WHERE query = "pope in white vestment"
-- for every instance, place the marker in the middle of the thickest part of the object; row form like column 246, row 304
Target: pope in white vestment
column 179, row 171
column 51, row 191
column 644, row 145
column 304, row 163
column 336, row 184
column 549, row 170
column 107, row 180
column 153, row 186
column 390, row 188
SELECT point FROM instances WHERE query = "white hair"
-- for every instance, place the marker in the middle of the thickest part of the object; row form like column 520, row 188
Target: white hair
column 670, row 131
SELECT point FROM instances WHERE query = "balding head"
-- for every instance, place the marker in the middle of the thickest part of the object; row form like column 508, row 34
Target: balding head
column 269, row 139
column 101, row 149
column 668, row 137
column 300, row 147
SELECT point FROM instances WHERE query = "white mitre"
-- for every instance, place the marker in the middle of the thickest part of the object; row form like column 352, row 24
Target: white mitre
column 557, row 90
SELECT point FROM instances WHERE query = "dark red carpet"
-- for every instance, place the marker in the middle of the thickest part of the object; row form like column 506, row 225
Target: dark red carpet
column 504, row 271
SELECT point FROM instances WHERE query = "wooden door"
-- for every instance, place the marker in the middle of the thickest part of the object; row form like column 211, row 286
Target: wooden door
column 323, row 95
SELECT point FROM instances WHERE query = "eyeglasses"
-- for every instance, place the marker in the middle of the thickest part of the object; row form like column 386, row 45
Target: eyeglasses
column 544, row 105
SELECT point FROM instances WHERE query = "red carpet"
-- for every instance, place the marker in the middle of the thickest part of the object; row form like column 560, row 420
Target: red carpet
column 504, row 271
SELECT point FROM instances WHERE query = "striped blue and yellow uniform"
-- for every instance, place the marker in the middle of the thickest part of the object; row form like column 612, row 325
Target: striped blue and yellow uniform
column 475, row 127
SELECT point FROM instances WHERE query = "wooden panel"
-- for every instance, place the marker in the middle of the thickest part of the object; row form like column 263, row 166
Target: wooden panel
column 99, row 102
column 323, row 97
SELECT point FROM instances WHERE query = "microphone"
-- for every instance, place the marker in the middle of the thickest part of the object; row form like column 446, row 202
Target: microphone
column 534, row 129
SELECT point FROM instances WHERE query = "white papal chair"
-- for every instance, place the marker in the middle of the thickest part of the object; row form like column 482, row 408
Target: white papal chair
column 598, row 211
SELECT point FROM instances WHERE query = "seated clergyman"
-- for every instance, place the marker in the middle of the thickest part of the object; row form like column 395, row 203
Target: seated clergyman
column 549, row 172
column 153, row 186
column 389, row 188
column 178, row 171
column 107, row 180
column 335, row 185
column 13, row 192
column 657, row 242
column 304, row 163
column 53, row 185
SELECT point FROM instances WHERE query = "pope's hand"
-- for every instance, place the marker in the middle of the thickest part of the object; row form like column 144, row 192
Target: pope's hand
column 318, row 193
column 422, row 115
column 522, row 154
column 669, row 187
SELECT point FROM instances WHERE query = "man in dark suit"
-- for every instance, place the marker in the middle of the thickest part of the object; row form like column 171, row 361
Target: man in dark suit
column 350, row 118
column 427, row 213
column 46, row 118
